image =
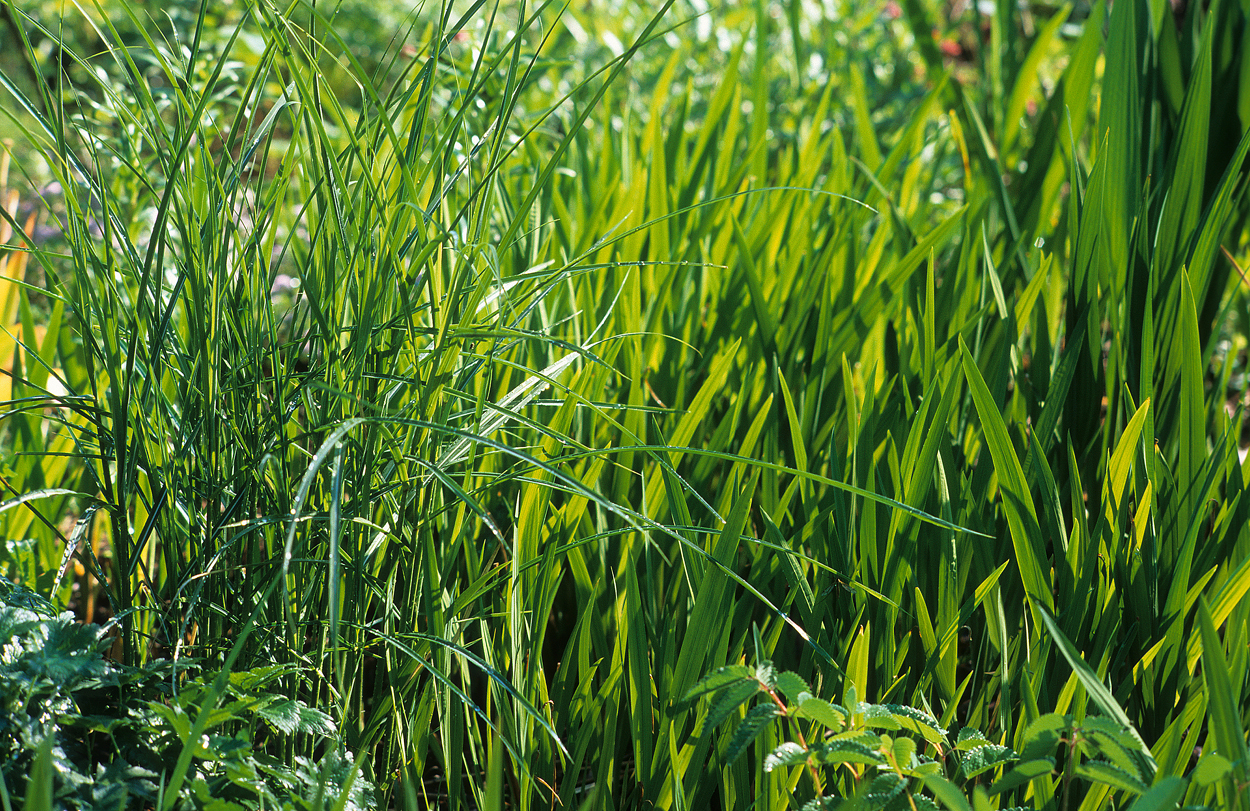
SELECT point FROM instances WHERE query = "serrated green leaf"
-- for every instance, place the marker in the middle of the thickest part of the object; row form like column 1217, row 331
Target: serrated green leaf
column 982, row 758
column 863, row 737
column 282, row 714
column 879, row 716
column 836, row 752
column 917, row 721
column 1107, row 773
column 792, row 685
column 246, row 682
column 970, row 738
column 175, row 717
column 223, row 747
column 1113, row 742
column 787, row 754
column 717, row 680
column 315, row 722
column 821, row 711
column 882, row 790
column 904, row 752
column 727, row 701
column 927, row 768
column 756, row 720
column 1042, row 737
column 887, row 784
column 292, row 716
column 1023, row 773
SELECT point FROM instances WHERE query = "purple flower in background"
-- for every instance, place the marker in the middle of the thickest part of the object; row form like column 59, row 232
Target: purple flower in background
column 284, row 289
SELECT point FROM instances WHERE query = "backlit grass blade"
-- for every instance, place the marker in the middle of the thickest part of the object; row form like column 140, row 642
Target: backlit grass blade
column 1125, row 452
column 1225, row 716
column 708, row 603
column 1099, row 693
column 1017, row 500
column 1186, row 370
column 1119, row 121
column 1182, row 209
column 1026, row 80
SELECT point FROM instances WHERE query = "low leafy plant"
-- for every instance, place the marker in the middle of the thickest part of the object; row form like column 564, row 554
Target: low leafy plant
column 882, row 746
column 891, row 756
column 78, row 730
column 886, row 756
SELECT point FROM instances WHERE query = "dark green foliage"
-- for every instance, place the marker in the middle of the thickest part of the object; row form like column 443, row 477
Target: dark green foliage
column 888, row 771
column 80, row 731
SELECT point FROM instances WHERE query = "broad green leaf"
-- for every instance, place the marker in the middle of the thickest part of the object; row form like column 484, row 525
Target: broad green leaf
column 290, row 716
column 1162, row 796
column 1113, row 742
column 970, row 738
column 1212, row 767
column 727, row 702
column 918, row 722
column 877, row 716
column 883, row 789
column 176, row 717
column 904, row 752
